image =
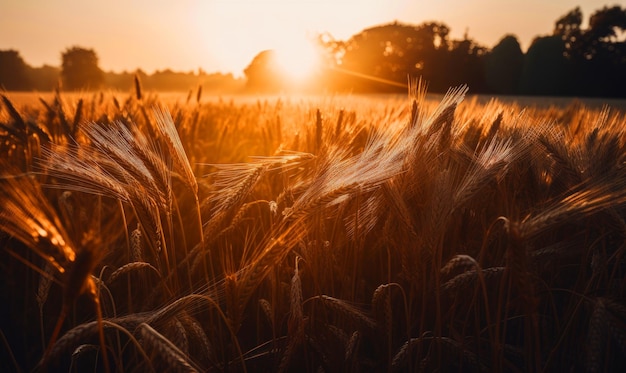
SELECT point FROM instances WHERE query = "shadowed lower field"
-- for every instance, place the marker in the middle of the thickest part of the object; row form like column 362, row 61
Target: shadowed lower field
column 339, row 233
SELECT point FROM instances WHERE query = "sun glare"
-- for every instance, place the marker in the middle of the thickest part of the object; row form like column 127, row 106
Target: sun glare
column 298, row 61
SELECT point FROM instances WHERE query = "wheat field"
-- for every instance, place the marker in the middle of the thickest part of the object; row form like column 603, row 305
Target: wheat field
column 334, row 234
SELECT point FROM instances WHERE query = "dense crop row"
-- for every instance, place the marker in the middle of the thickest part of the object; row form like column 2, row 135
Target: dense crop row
column 336, row 234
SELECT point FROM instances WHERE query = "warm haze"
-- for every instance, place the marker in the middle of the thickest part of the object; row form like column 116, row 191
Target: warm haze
column 225, row 35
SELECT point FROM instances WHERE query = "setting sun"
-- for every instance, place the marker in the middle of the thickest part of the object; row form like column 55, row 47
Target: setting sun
column 298, row 61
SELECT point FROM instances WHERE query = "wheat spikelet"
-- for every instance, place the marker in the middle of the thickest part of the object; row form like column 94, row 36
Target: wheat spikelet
column 179, row 338
column 414, row 114
column 72, row 338
column 318, row 131
column 268, row 312
column 167, row 129
column 199, row 94
column 491, row 161
column 238, row 185
column 169, row 311
column 165, row 349
column 350, row 311
column 195, row 329
column 233, row 197
column 26, row 214
column 154, row 159
column 77, row 116
column 116, row 103
column 147, row 213
column 399, row 206
column 296, row 316
column 352, row 348
column 118, row 143
column 596, row 336
column 130, row 267
column 567, row 159
column 87, row 331
column 138, row 90
column 495, row 127
column 340, row 177
column 302, row 207
column 339, row 124
column 136, row 251
column 45, row 281
column 243, row 210
column 381, row 302
column 459, row 262
column 60, row 111
column 400, row 358
column 20, row 131
column 417, row 92
column 590, row 199
column 443, row 116
column 274, row 251
column 462, row 281
column 81, row 174
column 443, row 124
column 251, row 277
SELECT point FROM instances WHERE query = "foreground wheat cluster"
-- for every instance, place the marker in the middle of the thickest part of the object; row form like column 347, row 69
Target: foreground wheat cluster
column 320, row 235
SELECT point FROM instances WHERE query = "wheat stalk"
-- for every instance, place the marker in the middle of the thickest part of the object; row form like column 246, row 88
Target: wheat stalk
column 165, row 349
column 167, row 130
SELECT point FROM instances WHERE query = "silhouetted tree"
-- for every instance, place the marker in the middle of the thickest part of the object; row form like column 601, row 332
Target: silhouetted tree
column 465, row 65
column 390, row 53
column 13, row 71
column 80, row 69
column 263, row 73
column 596, row 55
column 601, row 56
column 568, row 28
column 44, row 78
column 545, row 69
column 503, row 66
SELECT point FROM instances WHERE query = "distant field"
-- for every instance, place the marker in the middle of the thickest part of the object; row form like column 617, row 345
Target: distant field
column 29, row 98
column 375, row 233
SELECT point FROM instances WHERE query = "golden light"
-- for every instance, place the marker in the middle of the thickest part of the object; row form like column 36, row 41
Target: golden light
column 298, row 61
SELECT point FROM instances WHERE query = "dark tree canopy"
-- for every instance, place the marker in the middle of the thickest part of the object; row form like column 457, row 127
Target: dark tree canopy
column 464, row 65
column 569, row 24
column 80, row 70
column 545, row 67
column 503, row 66
column 392, row 52
column 596, row 55
column 13, row 71
column 572, row 61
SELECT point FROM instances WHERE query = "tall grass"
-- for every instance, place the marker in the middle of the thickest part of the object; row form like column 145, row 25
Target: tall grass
column 333, row 234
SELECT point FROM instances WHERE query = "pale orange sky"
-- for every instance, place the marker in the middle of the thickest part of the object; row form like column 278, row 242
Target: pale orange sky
column 224, row 35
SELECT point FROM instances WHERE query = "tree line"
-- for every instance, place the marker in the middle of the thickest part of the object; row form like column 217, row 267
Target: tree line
column 80, row 70
column 572, row 60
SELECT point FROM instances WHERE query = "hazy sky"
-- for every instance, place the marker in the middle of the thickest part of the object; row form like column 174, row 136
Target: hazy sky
column 224, row 35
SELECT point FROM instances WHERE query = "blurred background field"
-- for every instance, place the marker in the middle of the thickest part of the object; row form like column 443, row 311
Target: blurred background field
column 20, row 99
